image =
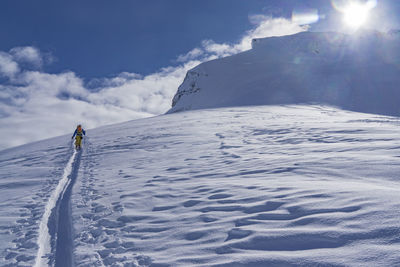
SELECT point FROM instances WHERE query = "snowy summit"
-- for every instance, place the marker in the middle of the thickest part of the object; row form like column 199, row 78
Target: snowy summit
column 237, row 185
column 359, row 72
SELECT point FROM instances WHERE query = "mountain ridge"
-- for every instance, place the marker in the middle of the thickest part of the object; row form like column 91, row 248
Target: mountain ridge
column 358, row 72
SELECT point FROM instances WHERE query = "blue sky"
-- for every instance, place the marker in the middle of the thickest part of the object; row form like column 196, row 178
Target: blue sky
column 98, row 62
column 97, row 38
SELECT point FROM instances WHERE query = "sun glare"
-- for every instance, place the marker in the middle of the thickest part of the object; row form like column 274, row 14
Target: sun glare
column 356, row 15
column 355, row 12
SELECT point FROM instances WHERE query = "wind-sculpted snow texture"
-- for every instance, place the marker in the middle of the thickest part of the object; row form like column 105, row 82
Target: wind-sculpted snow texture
column 260, row 186
column 359, row 72
column 250, row 186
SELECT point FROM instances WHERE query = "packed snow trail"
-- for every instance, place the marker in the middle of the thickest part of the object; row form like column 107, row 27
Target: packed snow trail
column 44, row 239
column 64, row 241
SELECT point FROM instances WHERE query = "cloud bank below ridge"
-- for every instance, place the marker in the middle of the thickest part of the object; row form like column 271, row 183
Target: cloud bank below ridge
column 36, row 105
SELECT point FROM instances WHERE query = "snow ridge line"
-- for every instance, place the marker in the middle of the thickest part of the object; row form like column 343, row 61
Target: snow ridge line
column 44, row 239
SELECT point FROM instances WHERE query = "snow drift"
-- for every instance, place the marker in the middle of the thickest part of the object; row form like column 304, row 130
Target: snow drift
column 247, row 186
column 359, row 72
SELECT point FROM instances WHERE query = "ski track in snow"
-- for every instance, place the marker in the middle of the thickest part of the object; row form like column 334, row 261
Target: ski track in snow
column 29, row 175
column 44, row 239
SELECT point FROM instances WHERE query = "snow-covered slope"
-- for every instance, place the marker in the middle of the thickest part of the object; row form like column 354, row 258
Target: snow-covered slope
column 359, row 72
column 249, row 186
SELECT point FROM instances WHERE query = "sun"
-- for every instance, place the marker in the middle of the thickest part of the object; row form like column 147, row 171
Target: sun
column 356, row 15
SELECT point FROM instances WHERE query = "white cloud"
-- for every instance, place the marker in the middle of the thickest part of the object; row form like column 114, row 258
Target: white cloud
column 268, row 28
column 8, row 67
column 257, row 19
column 35, row 105
column 305, row 16
column 27, row 54
column 151, row 94
column 120, row 79
column 191, row 55
column 265, row 27
column 220, row 50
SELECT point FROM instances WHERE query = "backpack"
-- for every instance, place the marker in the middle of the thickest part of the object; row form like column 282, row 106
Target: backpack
column 79, row 132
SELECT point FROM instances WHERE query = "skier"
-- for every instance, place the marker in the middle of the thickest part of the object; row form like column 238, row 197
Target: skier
column 79, row 133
